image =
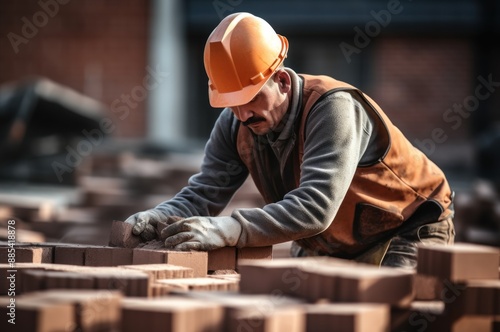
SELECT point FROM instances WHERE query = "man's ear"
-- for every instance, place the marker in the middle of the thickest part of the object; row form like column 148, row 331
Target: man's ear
column 283, row 79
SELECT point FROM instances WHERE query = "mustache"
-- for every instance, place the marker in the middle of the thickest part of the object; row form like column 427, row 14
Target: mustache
column 253, row 119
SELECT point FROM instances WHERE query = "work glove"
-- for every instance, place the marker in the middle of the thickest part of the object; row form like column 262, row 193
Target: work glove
column 202, row 233
column 145, row 223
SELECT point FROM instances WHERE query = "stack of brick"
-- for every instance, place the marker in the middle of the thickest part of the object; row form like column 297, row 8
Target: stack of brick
column 464, row 279
column 455, row 288
column 349, row 296
column 63, row 310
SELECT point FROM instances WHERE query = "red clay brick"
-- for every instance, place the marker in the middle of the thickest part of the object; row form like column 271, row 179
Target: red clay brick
column 318, row 278
column 372, row 285
column 94, row 310
column 160, row 271
column 233, row 303
column 32, row 280
column 197, row 260
column 291, row 319
column 16, row 272
column 427, row 288
column 108, row 256
column 345, row 317
column 121, row 256
column 171, row 314
column 288, row 276
column 72, row 255
column 222, row 259
column 476, row 297
column 67, row 280
column 129, row 282
column 453, row 263
column 200, row 284
column 28, row 254
column 121, row 235
column 36, row 315
column 263, row 277
column 420, row 316
column 254, row 253
column 462, row 324
column 98, row 257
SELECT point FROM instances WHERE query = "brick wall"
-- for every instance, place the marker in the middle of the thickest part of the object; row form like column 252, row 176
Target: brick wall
column 98, row 48
column 417, row 80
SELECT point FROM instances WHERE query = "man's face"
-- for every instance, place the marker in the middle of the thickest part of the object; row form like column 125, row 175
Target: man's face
column 264, row 112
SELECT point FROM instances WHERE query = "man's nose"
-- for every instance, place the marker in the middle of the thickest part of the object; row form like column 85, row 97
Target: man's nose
column 242, row 113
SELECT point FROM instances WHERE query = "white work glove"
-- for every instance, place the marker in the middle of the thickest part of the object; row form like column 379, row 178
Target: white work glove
column 202, row 233
column 145, row 223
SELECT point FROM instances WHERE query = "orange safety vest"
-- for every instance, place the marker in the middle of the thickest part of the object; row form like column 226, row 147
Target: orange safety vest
column 381, row 197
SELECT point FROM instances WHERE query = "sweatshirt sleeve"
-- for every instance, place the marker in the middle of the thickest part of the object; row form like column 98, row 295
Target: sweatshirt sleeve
column 337, row 133
column 221, row 174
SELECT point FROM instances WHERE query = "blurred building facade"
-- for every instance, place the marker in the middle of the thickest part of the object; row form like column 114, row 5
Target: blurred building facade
column 431, row 64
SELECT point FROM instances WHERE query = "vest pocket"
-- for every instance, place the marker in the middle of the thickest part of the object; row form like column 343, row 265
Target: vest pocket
column 371, row 221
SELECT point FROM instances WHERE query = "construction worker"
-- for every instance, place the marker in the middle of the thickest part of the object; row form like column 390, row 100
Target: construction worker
column 338, row 178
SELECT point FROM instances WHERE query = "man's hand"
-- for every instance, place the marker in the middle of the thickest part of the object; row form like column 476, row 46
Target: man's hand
column 202, row 233
column 145, row 223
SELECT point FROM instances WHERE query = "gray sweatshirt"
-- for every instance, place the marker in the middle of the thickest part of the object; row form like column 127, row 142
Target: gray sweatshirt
column 339, row 135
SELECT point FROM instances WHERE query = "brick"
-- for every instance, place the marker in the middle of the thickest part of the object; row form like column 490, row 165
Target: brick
column 197, row 260
column 462, row 324
column 320, row 280
column 263, row 277
column 343, row 317
column 35, row 280
column 94, row 310
column 32, row 280
column 255, row 253
column 375, row 285
column 288, row 276
column 476, row 297
column 129, row 282
column 454, row 262
column 159, row 290
column 427, row 288
column 171, row 314
column 67, row 280
column 121, row 256
column 121, row 235
column 72, row 255
column 222, row 259
column 317, row 278
column 291, row 319
column 234, row 303
column 98, row 257
column 200, row 284
column 108, row 256
column 161, row 271
column 229, row 276
column 15, row 275
column 148, row 256
column 36, row 315
column 27, row 254
column 419, row 316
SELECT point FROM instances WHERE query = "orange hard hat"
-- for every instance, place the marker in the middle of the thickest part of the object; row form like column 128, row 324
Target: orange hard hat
column 240, row 56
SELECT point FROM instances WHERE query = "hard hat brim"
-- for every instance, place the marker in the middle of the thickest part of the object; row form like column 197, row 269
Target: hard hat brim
column 236, row 98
